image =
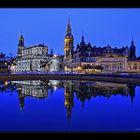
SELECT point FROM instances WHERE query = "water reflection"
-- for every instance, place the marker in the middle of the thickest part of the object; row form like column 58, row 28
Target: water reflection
column 83, row 90
column 87, row 90
column 35, row 88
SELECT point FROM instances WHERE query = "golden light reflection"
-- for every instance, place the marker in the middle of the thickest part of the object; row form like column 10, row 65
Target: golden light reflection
column 6, row 83
column 55, row 87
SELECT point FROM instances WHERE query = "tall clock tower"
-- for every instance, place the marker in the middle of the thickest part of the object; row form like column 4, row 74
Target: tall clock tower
column 68, row 45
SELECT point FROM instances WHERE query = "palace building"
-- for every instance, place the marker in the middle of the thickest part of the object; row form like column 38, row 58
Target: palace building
column 111, row 59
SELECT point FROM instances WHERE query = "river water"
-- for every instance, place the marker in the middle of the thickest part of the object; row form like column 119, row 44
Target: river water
column 69, row 106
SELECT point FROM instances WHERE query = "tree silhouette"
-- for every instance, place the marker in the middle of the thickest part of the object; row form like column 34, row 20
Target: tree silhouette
column 2, row 55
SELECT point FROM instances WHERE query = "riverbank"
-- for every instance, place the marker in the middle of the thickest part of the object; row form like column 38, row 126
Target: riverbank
column 119, row 78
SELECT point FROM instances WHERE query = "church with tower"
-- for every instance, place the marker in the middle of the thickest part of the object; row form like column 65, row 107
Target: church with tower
column 29, row 58
column 35, row 58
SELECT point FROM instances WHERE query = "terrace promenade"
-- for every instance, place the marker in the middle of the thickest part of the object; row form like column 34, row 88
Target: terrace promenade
column 119, row 78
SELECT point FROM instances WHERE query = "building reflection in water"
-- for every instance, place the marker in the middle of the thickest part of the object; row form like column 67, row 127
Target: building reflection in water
column 34, row 88
column 69, row 97
column 83, row 90
column 87, row 90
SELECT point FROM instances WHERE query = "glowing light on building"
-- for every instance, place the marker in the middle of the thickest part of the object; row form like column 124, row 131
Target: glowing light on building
column 13, row 68
column 55, row 55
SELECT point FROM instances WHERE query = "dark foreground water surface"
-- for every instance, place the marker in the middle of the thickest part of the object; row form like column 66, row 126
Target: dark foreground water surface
column 69, row 106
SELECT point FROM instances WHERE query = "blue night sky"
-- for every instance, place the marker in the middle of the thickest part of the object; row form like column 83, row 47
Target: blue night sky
column 101, row 26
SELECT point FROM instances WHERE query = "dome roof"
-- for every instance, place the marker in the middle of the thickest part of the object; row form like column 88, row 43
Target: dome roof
column 41, row 45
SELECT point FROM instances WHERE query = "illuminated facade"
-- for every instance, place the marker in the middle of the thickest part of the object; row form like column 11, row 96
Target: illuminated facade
column 134, row 65
column 55, row 63
column 112, row 63
column 29, row 59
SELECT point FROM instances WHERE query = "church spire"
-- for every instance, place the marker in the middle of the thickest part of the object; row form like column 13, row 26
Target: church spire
column 132, row 54
column 20, row 45
column 68, row 26
column 82, row 37
column 68, row 19
column 69, row 116
column 21, row 40
column 82, row 44
column 132, row 42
